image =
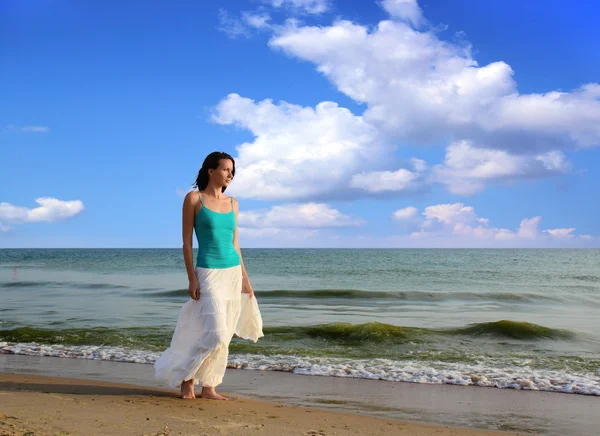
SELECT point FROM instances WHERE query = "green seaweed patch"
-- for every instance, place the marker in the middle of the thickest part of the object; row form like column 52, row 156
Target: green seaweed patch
column 515, row 330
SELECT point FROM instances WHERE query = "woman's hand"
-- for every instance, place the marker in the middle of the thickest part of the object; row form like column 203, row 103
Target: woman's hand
column 247, row 289
column 194, row 290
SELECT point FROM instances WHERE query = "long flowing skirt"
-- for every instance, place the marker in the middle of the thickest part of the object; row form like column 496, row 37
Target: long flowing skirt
column 200, row 344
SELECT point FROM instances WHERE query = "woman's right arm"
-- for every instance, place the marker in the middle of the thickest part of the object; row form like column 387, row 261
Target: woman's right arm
column 189, row 205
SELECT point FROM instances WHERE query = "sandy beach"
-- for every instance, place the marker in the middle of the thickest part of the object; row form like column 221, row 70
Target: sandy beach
column 58, row 396
column 38, row 405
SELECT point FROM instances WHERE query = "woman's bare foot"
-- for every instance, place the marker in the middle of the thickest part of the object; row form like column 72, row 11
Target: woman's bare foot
column 187, row 390
column 210, row 394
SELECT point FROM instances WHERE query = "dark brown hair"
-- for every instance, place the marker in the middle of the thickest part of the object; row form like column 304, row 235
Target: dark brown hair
column 212, row 161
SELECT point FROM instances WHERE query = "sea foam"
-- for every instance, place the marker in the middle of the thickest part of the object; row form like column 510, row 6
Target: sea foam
column 489, row 373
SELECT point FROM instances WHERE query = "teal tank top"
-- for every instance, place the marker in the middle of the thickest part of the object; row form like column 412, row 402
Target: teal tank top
column 214, row 232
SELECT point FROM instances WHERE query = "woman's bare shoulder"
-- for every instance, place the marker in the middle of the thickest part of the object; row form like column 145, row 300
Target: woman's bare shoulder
column 192, row 198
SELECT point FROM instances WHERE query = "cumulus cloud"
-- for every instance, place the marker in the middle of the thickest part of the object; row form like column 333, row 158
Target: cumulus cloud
column 378, row 181
column 529, row 227
column 417, row 88
column 466, row 169
column 257, row 20
column 298, row 152
column 420, row 87
column 49, row 210
column 306, row 215
column 419, row 165
column 449, row 213
column 295, row 224
column 461, row 225
column 406, row 214
column 304, row 6
column 408, row 10
column 564, row 233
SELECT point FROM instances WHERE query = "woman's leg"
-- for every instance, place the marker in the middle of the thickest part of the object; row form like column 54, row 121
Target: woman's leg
column 209, row 393
column 187, row 390
column 214, row 371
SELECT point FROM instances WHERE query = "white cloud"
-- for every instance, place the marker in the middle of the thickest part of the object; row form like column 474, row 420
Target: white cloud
column 467, row 169
column 408, row 10
column 419, row 165
column 276, row 234
column 257, row 20
column 35, row 129
column 460, row 225
column 563, row 233
column 49, row 210
column 306, row 6
column 529, row 227
column 298, row 152
column 28, row 129
column 450, row 213
column 406, row 214
column 442, row 225
column 378, row 181
column 292, row 225
column 419, row 87
column 232, row 26
column 307, row 215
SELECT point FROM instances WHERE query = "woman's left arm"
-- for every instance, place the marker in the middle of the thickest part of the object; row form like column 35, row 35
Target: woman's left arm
column 246, row 286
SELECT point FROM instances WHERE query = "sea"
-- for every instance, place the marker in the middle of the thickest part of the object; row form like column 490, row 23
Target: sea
column 503, row 318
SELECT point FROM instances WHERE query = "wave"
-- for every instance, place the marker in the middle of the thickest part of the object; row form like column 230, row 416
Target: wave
column 41, row 283
column 382, row 295
column 146, row 337
column 515, row 330
column 326, row 335
column 500, row 372
column 587, row 278
column 372, row 332
column 379, row 332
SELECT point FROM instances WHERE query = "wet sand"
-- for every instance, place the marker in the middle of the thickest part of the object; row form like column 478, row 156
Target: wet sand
column 38, row 405
column 76, row 396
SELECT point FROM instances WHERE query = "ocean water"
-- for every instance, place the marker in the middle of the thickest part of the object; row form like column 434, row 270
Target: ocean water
column 519, row 319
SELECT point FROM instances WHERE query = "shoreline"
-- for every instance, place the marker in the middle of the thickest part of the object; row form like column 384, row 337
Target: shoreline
column 42, row 405
column 446, row 407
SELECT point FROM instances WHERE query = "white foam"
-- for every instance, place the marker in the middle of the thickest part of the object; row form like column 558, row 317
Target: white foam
column 508, row 377
column 94, row 352
column 490, row 373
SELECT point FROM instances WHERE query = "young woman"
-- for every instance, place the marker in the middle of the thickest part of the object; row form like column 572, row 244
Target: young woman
column 206, row 323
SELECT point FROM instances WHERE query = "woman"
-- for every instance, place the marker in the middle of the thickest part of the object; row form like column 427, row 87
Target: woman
column 216, row 309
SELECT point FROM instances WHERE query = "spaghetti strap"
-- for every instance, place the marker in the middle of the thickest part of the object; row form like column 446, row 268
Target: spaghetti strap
column 231, row 203
column 200, row 198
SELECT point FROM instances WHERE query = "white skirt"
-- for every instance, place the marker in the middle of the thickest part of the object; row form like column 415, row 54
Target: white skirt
column 200, row 344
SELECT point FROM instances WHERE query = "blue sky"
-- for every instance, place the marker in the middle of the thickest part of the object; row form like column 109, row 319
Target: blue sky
column 353, row 123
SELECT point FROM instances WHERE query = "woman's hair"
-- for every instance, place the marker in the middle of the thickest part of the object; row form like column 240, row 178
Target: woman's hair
column 212, row 161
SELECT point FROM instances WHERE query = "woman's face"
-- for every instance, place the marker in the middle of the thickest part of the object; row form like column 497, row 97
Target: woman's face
column 224, row 173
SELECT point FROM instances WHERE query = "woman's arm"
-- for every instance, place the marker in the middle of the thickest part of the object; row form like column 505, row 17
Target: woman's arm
column 246, row 286
column 189, row 205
